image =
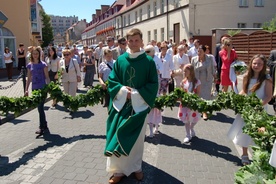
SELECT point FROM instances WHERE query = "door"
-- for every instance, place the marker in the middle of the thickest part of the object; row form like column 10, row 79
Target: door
column 176, row 33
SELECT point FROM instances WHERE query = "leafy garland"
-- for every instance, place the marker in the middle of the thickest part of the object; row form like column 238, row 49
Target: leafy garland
column 248, row 106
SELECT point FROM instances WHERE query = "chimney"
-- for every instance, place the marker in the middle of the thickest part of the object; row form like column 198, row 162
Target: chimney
column 98, row 13
column 104, row 8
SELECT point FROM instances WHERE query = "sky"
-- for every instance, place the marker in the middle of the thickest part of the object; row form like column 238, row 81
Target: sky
column 83, row 9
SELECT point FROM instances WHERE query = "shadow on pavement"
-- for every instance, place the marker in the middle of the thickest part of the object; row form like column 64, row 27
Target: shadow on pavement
column 151, row 175
column 220, row 117
column 53, row 140
column 198, row 144
column 172, row 121
column 17, row 121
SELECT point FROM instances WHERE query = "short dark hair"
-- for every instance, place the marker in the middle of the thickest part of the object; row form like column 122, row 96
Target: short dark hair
column 121, row 40
column 21, row 44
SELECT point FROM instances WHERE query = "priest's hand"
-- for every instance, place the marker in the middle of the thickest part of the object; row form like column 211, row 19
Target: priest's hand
column 129, row 92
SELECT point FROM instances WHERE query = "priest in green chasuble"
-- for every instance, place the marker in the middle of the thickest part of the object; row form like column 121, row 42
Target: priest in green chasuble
column 132, row 85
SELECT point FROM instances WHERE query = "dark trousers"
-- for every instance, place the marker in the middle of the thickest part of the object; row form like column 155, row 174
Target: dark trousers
column 42, row 116
column 9, row 67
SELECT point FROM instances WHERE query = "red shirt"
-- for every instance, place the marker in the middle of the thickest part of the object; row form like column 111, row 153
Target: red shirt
column 224, row 58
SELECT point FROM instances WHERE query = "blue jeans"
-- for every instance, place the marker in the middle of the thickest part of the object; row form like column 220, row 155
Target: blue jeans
column 42, row 116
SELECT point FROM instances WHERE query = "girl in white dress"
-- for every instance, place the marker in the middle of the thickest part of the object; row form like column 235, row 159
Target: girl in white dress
column 256, row 80
column 189, row 117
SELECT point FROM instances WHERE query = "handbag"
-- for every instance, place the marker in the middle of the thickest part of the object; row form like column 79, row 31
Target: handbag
column 171, row 85
column 78, row 77
column 13, row 59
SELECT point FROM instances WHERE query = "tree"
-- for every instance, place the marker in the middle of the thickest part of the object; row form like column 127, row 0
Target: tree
column 47, row 29
column 271, row 25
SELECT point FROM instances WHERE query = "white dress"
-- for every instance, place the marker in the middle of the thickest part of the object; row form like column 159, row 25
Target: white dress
column 235, row 132
column 272, row 160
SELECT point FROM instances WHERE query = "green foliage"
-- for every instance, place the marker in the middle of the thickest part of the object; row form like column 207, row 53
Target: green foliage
column 233, row 32
column 47, row 29
column 250, row 108
column 271, row 25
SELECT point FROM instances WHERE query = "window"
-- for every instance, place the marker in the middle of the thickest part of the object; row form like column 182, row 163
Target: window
column 118, row 23
column 154, row 8
column 136, row 15
column 162, row 38
column 241, row 25
column 148, row 11
column 141, row 14
column 259, row 3
column 257, row 25
column 162, row 6
column 149, row 36
column 124, row 20
column 128, row 19
column 243, row 3
column 155, row 34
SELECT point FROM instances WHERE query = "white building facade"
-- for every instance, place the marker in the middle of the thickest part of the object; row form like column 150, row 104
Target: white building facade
column 180, row 19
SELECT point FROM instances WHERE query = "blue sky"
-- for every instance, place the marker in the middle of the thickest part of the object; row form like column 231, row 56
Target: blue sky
column 81, row 8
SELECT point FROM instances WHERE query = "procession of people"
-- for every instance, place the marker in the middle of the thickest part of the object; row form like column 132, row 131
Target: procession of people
column 138, row 73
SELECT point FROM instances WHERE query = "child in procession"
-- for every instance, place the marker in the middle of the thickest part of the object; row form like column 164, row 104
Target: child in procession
column 189, row 117
column 256, row 81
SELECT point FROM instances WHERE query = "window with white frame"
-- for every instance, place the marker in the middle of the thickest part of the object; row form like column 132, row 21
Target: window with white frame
column 149, row 36
column 259, row 3
column 118, row 23
column 155, row 34
column 148, row 11
column 241, row 25
column 243, row 3
column 154, row 8
column 162, row 38
column 136, row 15
column 141, row 14
column 257, row 25
column 162, row 4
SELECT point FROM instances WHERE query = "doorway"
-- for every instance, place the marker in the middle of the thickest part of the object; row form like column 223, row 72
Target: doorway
column 176, row 33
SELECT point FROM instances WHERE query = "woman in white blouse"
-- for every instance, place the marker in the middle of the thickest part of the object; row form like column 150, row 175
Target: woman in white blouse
column 70, row 73
column 52, row 61
column 8, row 62
column 179, row 61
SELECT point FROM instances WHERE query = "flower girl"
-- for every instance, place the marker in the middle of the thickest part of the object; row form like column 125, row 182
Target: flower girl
column 189, row 117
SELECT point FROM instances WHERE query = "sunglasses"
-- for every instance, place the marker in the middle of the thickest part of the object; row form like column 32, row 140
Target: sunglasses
column 66, row 54
column 147, row 51
column 122, row 43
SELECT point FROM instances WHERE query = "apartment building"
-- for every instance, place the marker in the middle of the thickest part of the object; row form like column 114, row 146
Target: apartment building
column 24, row 26
column 178, row 19
column 73, row 33
column 61, row 23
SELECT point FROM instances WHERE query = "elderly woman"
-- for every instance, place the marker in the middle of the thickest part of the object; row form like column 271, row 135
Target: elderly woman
column 205, row 72
column 167, row 68
column 105, row 68
column 154, row 117
column 70, row 73
column 228, row 56
column 179, row 61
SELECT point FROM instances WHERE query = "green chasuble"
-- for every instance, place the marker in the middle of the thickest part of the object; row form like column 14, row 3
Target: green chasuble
column 124, row 127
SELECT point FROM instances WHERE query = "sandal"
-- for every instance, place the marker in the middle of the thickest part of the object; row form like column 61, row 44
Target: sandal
column 245, row 160
column 115, row 179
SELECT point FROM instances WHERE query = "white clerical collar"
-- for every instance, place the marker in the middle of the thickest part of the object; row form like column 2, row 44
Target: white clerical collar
column 136, row 54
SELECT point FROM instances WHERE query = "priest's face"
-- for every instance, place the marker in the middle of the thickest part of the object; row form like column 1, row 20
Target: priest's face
column 135, row 42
